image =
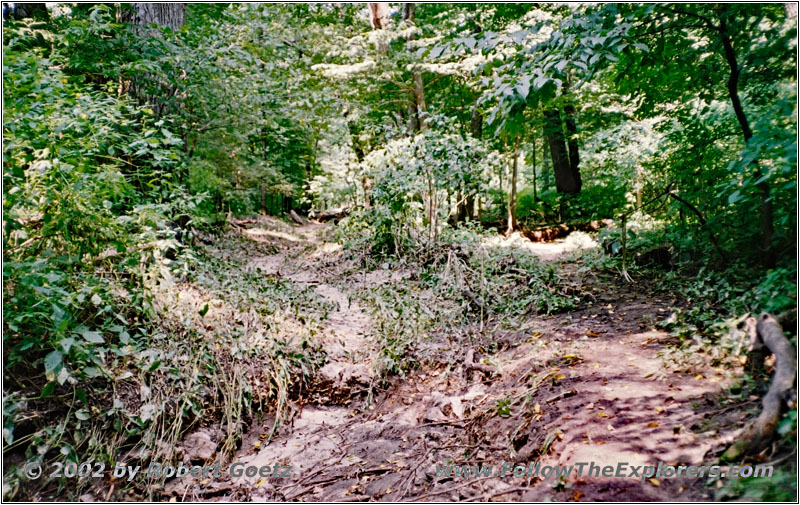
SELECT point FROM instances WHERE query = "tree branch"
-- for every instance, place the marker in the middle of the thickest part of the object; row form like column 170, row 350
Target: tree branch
column 708, row 23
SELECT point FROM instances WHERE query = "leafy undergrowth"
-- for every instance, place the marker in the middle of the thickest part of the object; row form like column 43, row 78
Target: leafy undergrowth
column 454, row 290
column 217, row 346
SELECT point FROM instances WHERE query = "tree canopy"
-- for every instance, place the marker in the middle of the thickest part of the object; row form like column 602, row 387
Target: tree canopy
column 135, row 136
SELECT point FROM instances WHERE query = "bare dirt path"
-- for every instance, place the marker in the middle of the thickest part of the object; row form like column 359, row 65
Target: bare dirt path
column 586, row 386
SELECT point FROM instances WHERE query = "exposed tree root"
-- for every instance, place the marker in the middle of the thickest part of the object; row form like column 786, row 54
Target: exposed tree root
column 758, row 434
column 473, row 365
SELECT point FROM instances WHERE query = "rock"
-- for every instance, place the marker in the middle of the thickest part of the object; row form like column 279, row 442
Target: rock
column 341, row 379
column 87, row 497
column 356, row 374
column 200, row 445
column 330, row 373
column 434, row 414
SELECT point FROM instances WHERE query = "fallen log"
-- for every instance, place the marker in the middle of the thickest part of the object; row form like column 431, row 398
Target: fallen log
column 332, row 214
column 297, row 219
column 758, row 434
column 239, row 222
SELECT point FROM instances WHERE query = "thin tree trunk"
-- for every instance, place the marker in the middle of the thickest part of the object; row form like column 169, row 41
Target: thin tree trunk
column 358, row 149
column 143, row 16
column 533, row 159
column 26, row 10
column 767, row 225
column 512, row 196
column 476, row 130
column 379, row 15
column 638, row 186
column 419, row 95
column 565, row 180
column 572, row 140
column 416, row 110
column 476, row 123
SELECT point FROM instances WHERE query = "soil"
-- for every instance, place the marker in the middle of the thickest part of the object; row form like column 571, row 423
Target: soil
column 584, row 386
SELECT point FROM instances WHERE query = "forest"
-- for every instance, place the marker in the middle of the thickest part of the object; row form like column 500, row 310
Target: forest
column 399, row 251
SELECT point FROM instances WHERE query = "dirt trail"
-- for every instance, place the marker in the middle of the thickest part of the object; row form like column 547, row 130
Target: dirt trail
column 585, row 386
column 302, row 261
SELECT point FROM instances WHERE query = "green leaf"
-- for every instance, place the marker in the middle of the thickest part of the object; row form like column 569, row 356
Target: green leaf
column 66, row 344
column 90, row 336
column 92, row 372
column 48, row 389
column 203, row 311
column 63, row 375
column 523, row 86
column 52, row 361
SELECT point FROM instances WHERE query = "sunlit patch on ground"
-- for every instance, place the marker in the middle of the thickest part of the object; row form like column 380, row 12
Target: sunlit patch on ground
column 547, row 251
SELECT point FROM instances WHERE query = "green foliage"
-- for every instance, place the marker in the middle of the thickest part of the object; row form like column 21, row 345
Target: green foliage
column 780, row 487
column 85, row 178
column 413, row 180
column 125, row 147
column 518, row 283
column 403, row 321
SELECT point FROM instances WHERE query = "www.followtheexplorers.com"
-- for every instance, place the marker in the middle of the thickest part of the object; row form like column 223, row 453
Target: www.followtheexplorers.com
column 621, row 470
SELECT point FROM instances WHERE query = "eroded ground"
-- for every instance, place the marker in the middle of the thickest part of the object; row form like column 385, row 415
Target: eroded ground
column 585, row 386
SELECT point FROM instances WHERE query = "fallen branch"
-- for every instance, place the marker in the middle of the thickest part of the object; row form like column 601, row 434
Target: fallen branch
column 333, row 214
column 560, row 396
column 452, row 488
column 758, row 434
column 474, row 299
column 703, row 224
column 471, row 364
column 238, row 225
column 297, row 219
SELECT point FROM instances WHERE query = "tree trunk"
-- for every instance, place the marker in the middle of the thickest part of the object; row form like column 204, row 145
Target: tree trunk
column 767, row 225
column 572, row 142
column 408, row 11
column 466, row 201
column 416, row 121
column 419, row 96
column 512, row 196
column 572, row 132
column 143, row 16
column 638, row 186
column 566, row 182
column 379, row 15
column 19, row 11
column 476, row 123
column 165, row 15
column 533, row 161
column 758, row 434
column 358, row 149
